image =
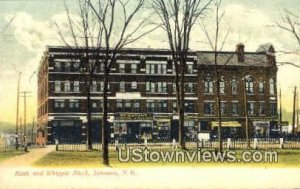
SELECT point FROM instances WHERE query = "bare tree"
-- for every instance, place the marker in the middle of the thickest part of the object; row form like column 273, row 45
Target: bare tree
column 290, row 22
column 121, row 27
column 217, row 45
column 80, row 38
column 177, row 20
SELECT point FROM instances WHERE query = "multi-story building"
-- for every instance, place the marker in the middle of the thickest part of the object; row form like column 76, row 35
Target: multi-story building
column 142, row 99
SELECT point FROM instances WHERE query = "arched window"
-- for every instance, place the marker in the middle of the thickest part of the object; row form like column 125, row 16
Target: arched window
column 249, row 84
column 208, row 84
column 272, row 86
column 234, row 86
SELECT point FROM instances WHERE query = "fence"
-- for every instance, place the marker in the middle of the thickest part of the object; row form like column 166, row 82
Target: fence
column 239, row 143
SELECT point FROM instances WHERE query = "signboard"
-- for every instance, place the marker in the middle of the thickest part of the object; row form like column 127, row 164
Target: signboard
column 226, row 124
column 134, row 116
column 203, row 136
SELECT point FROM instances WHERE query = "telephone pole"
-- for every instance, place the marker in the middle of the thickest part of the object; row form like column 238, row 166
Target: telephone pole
column 17, row 113
column 294, row 111
column 25, row 95
column 280, row 113
column 297, row 113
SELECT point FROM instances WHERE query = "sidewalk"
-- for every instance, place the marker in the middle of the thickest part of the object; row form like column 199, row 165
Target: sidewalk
column 27, row 159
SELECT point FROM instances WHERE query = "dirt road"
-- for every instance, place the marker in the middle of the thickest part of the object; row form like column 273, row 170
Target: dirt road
column 27, row 159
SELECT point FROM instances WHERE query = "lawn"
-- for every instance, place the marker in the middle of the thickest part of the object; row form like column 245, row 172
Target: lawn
column 10, row 153
column 286, row 158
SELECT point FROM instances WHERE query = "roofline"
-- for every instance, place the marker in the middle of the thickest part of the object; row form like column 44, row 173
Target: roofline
column 156, row 49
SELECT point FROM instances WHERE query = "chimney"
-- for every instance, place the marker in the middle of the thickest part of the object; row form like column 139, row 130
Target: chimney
column 240, row 52
column 270, row 53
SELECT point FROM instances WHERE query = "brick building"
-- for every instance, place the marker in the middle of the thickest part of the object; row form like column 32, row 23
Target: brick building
column 142, row 101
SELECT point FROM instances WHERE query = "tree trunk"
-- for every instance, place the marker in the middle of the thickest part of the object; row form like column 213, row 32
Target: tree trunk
column 218, row 108
column 181, row 109
column 105, row 126
column 89, row 119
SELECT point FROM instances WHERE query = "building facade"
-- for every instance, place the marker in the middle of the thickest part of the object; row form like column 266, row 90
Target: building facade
column 142, row 99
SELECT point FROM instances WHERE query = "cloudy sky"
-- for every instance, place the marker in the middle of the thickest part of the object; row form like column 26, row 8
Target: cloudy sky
column 32, row 28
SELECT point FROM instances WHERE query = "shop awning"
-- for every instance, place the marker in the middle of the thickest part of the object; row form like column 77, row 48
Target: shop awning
column 226, row 124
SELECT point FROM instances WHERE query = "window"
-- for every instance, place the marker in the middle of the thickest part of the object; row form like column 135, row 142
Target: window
column 59, row 104
column 136, row 106
column 127, row 106
column 251, row 108
column 67, row 66
column 119, row 106
column 189, row 106
column 164, row 87
column 76, row 66
column 76, row 86
column 57, row 86
column 159, row 69
column 147, row 68
column 162, row 106
column 152, row 87
column 222, row 85
column 150, row 105
column 261, row 87
column 164, row 68
column 134, row 85
column 174, row 106
column 249, row 85
column 234, row 108
column 189, row 123
column 57, row 66
column 261, row 108
column 152, row 68
column 122, row 86
column 101, row 85
column 208, row 108
column 74, row 104
column 272, row 87
column 158, row 87
column 94, row 86
column 223, row 108
column 190, row 68
column 133, row 68
column 174, row 88
column 122, row 68
column 234, row 86
column 208, row 85
column 147, row 86
column 94, row 105
column 189, row 87
column 67, row 86
column 273, row 108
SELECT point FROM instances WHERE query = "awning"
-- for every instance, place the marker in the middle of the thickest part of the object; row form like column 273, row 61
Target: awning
column 226, row 124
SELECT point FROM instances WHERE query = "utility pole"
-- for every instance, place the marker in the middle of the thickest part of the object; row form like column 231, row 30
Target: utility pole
column 294, row 110
column 25, row 95
column 297, row 113
column 280, row 113
column 246, row 114
column 32, row 128
column 17, row 113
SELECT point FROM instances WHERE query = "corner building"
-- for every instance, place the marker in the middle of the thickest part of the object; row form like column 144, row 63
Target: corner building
column 142, row 99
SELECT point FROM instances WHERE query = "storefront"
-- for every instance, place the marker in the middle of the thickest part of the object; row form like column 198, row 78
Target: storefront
column 261, row 128
column 133, row 127
column 230, row 129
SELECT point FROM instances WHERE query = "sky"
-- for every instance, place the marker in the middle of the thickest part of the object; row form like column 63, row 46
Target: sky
column 23, row 42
